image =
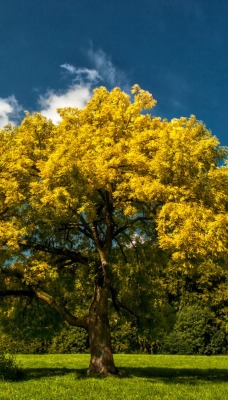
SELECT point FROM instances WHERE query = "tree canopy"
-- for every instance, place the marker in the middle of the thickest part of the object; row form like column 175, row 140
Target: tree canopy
column 75, row 196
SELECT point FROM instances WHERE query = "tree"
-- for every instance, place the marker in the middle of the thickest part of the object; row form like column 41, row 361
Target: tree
column 74, row 197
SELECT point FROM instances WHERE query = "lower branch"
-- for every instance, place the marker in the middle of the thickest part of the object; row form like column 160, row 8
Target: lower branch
column 81, row 322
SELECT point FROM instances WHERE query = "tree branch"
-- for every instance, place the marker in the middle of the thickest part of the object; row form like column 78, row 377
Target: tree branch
column 122, row 250
column 81, row 322
column 69, row 254
column 130, row 224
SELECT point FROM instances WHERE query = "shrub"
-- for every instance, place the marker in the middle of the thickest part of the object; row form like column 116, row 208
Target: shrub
column 9, row 344
column 218, row 343
column 195, row 332
column 9, row 370
column 70, row 340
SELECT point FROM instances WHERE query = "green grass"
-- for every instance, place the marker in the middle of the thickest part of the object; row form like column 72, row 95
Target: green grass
column 154, row 377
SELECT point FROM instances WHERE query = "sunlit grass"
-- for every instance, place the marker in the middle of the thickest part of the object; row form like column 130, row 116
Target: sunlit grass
column 52, row 377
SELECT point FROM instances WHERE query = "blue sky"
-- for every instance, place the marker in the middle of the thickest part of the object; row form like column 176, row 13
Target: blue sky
column 53, row 52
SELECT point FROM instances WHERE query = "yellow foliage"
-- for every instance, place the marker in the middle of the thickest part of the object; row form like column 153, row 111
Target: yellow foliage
column 170, row 170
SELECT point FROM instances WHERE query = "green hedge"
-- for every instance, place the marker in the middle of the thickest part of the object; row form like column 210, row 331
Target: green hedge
column 70, row 340
column 9, row 370
column 196, row 332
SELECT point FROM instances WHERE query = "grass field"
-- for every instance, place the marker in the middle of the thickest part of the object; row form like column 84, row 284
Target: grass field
column 154, row 377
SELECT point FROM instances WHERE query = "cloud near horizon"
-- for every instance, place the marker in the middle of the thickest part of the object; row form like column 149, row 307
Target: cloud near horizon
column 75, row 96
column 10, row 111
column 83, row 81
column 78, row 93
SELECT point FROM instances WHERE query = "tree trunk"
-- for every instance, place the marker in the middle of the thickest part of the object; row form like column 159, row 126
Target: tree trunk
column 101, row 362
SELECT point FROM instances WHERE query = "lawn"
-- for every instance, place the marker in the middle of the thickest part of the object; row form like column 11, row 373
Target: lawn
column 52, row 377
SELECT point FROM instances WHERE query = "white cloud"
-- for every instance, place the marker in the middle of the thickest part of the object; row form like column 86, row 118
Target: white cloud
column 75, row 96
column 70, row 68
column 103, row 70
column 83, row 80
column 82, row 74
column 108, row 72
column 9, row 111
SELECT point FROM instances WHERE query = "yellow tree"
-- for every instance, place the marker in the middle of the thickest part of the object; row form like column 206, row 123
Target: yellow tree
column 71, row 193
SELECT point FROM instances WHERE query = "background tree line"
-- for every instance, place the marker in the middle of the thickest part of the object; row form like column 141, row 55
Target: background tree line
column 159, row 311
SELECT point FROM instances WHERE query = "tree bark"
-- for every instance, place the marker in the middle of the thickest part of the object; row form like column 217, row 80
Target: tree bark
column 101, row 361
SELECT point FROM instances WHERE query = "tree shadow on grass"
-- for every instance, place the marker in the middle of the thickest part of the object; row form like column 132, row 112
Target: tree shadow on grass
column 168, row 375
column 39, row 373
column 174, row 375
